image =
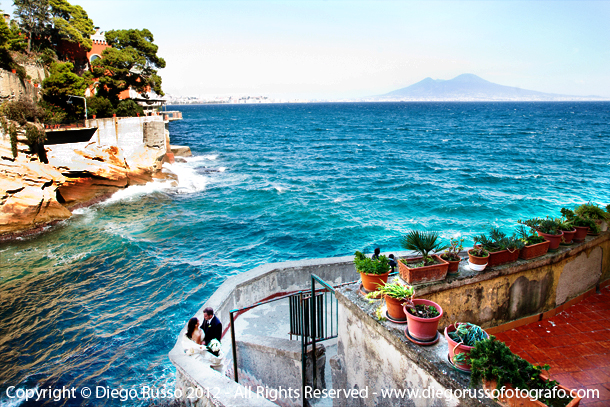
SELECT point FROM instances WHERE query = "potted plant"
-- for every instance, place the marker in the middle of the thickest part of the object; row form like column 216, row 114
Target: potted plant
column 427, row 267
column 581, row 224
column 394, row 294
column 495, row 366
column 568, row 230
column 422, row 320
column 478, row 257
column 534, row 245
column 594, row 212
column 452, row 254
column 461, row 338
column 547, row 228
column 374, row 272
column 502, row 249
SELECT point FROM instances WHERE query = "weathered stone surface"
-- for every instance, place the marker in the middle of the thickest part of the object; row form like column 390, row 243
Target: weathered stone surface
column 579, row 274
column 13, row 88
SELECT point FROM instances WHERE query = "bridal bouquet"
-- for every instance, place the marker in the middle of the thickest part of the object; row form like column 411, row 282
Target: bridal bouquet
column 214, row 347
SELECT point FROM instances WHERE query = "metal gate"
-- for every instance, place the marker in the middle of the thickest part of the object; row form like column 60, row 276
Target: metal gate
column 313, row 317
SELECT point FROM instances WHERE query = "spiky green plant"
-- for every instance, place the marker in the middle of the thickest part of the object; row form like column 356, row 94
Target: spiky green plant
column 423, row 243
column 528, row 237
column 394, row 290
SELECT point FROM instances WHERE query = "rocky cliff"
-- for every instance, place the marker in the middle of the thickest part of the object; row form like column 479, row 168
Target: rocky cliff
column 33, row 194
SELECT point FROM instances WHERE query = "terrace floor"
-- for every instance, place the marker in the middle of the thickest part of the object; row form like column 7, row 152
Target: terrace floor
column 574, row 342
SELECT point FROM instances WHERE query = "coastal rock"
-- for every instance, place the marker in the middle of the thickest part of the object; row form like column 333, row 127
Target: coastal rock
column 33, row 193
column 181, row 151
column 27, row 192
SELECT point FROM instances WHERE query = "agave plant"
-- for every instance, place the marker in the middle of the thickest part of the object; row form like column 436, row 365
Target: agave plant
column 423, row 243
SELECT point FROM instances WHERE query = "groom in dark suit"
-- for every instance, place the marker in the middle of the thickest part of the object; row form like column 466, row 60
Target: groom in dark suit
column 212, row 327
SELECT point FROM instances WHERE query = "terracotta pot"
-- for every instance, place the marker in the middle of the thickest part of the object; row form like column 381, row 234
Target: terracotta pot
column 535, row 250
column 477, row 260
column 568, row 236
column 554, row 240
column 502, row 257
column 461, row 348
column 13, row 70
column 395, row 309
column 423, row 329
column 371, row 282
column 515, row 401
column 434, row 272
column 93, row 117
column 453, row 265
column 581, row 233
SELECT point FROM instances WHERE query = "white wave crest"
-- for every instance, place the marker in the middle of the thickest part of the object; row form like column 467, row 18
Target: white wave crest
column 138, row 190
column 15, row 400
column 198, row 158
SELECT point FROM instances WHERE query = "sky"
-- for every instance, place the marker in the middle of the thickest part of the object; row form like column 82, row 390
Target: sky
column 336, row 49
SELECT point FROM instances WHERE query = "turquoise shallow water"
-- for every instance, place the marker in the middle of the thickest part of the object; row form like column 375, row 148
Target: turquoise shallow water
column 99, row 299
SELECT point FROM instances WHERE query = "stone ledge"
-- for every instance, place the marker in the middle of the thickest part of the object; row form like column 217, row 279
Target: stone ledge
column 468, row 276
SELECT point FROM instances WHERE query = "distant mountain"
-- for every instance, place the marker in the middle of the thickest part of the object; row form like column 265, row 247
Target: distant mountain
column 471, row 87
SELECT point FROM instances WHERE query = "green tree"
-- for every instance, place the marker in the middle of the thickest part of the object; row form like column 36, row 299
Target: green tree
column 10, row 39
column 132, row 62
column 5, row 32
column 72, row 23
column 62, row 82
column 34, row 19
column 57, row 88
column 100, row 106
column 128, row 108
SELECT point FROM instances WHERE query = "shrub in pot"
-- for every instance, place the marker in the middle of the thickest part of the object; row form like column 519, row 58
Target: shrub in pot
column 427, row 267
column 478, row 257
column 568, row 230
column 423, row 317
column 374, row 272
column 395, row 295
column 502, row 249
column 461, row 338
column 534, row 245
column 452, row 254
column 547, row 228
column 495, row 366
column 581, row 224
column 594, row 212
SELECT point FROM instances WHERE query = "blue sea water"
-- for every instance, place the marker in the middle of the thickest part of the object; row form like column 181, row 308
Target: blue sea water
column 99, row 299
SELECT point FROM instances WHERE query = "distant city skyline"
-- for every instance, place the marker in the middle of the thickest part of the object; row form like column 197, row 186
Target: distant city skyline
column 339, row 49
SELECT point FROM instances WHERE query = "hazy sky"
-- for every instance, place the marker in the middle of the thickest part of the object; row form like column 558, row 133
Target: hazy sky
column 341, row 48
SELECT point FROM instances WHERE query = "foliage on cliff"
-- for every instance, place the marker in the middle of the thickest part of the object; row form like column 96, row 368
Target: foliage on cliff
column 131, row 62
column 59, row 86
column 47, row 20
column 72, row 23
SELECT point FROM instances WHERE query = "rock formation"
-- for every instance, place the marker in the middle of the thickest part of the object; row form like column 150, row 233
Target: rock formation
column 33, row 194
